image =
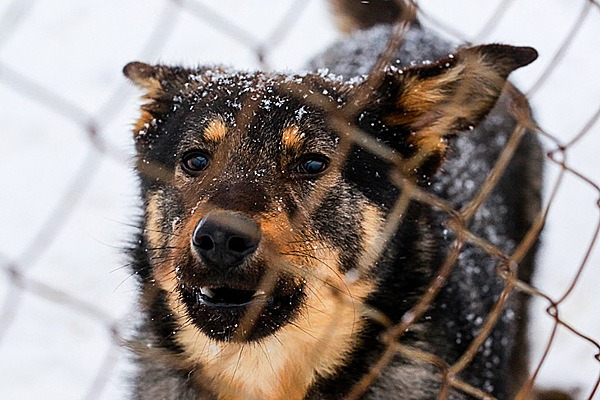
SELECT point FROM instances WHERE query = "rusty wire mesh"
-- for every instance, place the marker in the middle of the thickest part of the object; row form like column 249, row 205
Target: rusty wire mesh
column 22, row 281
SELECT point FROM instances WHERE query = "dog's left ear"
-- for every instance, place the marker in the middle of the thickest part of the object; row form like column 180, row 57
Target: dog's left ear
column 435, row 100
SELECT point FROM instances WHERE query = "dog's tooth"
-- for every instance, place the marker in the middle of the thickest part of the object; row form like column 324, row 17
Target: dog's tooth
column 207, row 292
column 259, row 293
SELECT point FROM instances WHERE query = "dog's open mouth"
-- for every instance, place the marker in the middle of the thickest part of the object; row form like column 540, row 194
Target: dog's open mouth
column 243, row 313
column 229, row 297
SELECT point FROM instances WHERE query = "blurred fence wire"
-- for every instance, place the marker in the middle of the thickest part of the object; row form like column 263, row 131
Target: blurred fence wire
column 92, row 125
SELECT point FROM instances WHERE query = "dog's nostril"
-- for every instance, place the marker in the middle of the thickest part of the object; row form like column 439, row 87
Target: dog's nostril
column 205, row 243
column 238, row 244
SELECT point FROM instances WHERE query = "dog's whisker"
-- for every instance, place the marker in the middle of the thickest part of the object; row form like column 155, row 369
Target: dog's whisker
column 346, row 291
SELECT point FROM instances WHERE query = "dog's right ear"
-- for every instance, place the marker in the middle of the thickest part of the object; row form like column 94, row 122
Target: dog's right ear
column 145, row 76
column 152, row 79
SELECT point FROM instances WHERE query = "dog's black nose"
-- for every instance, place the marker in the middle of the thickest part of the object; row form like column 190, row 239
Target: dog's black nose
column 225, row 239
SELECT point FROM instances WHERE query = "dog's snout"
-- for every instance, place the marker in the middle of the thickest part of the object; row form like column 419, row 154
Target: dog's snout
column 226, row 239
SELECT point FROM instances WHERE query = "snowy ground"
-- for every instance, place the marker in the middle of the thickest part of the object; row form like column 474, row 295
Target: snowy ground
column 50, row 349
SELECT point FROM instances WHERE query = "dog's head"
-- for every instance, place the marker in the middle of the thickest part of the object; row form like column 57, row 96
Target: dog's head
column 264, row 212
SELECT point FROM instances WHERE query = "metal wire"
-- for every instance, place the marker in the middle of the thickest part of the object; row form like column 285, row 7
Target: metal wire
column 92, row 126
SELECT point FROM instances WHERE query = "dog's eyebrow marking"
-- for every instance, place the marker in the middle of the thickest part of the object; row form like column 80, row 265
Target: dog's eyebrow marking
column 292, row 138
column 215, row 131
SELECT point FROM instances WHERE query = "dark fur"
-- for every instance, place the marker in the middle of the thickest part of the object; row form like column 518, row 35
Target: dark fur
column 252, row 174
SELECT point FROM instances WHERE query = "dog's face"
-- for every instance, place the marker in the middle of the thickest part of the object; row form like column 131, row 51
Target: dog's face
column 236, row 219
column 255, row 230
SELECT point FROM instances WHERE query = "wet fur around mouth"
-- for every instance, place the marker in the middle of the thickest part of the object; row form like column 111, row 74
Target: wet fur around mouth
column 289, row 313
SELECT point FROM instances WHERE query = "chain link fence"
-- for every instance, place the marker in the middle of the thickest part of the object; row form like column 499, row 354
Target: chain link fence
column 67, row 193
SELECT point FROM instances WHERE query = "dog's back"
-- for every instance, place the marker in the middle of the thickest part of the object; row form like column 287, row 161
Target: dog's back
column 457, row 314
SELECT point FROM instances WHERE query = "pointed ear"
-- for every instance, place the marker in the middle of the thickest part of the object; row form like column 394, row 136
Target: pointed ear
column 435, row 100
column 151, row 79
column 144, row 75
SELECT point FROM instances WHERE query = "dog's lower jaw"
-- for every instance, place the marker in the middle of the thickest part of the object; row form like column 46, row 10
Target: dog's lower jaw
column 285, row 364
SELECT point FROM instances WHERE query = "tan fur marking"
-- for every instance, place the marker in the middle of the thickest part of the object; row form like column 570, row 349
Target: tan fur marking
column 143, row 122
column 372, row 226
column 429, row 141
column 153, row 89
column 434, row 107
column 215, row 131
column 152, row 86
column 153, row 229
column 420, row 96
column 291, row 138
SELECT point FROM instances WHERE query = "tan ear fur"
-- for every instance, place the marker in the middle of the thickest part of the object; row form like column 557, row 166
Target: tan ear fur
column 144, row 76
column 453, row 94
column 147, row 77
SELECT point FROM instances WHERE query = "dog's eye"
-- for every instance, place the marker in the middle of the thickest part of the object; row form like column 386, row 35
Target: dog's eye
column 312, row 164
column 194, row 162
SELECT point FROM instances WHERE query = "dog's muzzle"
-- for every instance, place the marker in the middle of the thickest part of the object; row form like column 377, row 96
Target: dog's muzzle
column 225, row 281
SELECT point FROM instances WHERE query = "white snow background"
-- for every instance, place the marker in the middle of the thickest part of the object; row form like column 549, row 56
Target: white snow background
column 52, row 349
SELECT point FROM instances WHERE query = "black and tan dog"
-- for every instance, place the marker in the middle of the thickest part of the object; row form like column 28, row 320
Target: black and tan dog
column 265, row 252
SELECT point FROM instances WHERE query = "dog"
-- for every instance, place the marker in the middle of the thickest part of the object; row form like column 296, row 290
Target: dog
column 268, row 266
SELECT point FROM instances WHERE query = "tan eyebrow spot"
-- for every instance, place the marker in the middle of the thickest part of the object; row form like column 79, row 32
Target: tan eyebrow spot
column 292, row 138
column 215, row 131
